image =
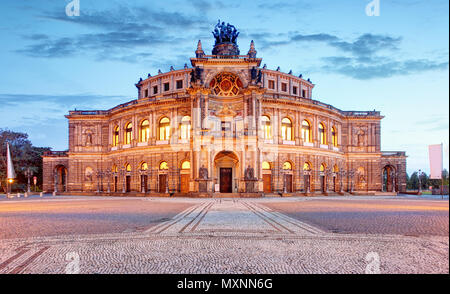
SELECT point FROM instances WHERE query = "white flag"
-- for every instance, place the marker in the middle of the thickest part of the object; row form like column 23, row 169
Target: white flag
column 11, row 174
column 436, row 161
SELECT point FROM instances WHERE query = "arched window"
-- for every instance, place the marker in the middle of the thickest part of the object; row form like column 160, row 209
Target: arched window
column 115, row 141
column 335, row 168
column 306, row 131
column 322, row 167
column 267, row 128
column 186, row 165
column 128, row 133
column 145, row 131
column 287, row 165
column 322, row 137
column 185, row 128
column 163, row 165
column 144, row 166
column 265, row 165
column 164, row 129
column 128, row 167
column 306, row 166
column 334, row 136
column 114, row 169
column 286, row 129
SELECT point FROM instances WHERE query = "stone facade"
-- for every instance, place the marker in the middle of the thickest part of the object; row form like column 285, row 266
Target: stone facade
column 199, row 131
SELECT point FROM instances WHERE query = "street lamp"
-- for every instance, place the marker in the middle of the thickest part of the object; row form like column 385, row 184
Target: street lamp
column 28, row 174
column 8, row 186
column 351, row 174
column 420, row 181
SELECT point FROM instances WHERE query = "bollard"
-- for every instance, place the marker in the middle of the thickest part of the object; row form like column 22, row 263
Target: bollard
column 18, row 195
column 54, row 193
column 25, row 195
column 40, row 194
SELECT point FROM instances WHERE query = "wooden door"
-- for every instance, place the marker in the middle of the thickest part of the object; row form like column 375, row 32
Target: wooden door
column 162, row 183
column 226, row 184
column 267, row 183
column 288, row 181
column 144, row 183
column 115, row 184
column 184, row 187
column 306, row 178
column 128, row 179
column 322, row 183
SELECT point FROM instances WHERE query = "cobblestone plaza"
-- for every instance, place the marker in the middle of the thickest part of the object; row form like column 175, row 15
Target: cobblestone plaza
column 224, row 235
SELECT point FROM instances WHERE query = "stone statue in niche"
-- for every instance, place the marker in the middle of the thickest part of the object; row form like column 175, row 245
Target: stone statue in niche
column 249, row 176
column 359, row 137
column 89, row 138
column 249, row 173
column 203, row 173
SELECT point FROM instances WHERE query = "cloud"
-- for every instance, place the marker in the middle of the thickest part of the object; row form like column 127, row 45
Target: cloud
column 365, row 69
column 119, row 34
column 366, row 44
column 362, row 57
column 45, row 108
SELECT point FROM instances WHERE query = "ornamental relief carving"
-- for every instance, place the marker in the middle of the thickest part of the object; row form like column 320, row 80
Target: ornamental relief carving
column 87, row 137
column 359, row 136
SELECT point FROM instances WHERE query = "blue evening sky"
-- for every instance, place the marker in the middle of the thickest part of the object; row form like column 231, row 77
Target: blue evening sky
column 396, row 62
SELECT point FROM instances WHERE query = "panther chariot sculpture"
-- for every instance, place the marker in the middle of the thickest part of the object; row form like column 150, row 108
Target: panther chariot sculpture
column 226, row 37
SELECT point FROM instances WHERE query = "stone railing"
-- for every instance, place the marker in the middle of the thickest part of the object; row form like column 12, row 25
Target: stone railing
column 55, row 153
column 393, row 153
column 361, row 113
column 88, row 112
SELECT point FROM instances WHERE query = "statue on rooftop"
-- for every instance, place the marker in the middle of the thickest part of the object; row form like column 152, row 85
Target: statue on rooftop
column 225, row 33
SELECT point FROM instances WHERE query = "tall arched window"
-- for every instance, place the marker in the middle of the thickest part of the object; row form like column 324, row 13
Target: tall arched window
column 322, row 137
column 287, row 165
column 335, row 168
column 185, row 128
column 286, row 129
column 186, row 165
column 114, row 169
column 306, row 166
column 128, row 167
column 306, row 131
column 128, row 133
column 145, row 131
column 163, row 165
column 164, row 129
column 265, row 165
column 334, row 137
column 115, row 141
column 322, row 167
column 144, row 166
column 267, row 128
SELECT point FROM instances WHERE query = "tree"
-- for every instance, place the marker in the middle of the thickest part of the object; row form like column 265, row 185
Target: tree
column 24, row 156
column 436, row 183
column 413, row 182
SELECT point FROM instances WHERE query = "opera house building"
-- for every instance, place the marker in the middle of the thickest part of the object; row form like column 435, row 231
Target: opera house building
column 224, row 126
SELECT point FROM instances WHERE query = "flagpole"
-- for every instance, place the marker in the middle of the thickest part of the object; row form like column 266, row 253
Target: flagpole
column 442, row 169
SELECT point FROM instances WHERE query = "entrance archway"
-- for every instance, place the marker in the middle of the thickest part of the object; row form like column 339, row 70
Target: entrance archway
column 60, row 178
column 226, row 168
column 388, row 180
